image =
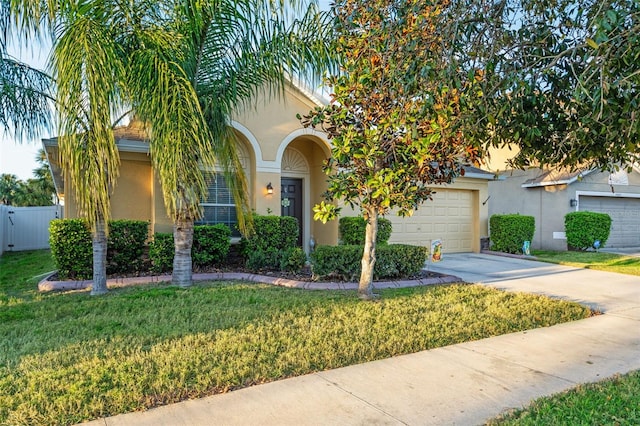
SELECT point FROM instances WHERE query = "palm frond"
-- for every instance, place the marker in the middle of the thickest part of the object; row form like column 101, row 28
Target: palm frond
column 165, row 98
column 24, row 98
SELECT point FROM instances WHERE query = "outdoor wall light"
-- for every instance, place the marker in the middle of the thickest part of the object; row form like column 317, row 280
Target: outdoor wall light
column 269, row 188
column 573, row 202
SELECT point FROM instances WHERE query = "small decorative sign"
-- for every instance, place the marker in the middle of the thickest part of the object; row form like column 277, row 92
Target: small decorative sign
column 526, row 248
column 436, row 250
column 285, row 202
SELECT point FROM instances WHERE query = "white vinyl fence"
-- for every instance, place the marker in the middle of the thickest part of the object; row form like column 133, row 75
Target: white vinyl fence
column 26, row 228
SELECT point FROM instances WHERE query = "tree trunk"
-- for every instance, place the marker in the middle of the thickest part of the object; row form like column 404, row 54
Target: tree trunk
column 365, row 287
column 182, row 263
column 99, row 245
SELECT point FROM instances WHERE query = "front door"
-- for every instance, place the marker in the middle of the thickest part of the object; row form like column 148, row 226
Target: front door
column 291, row 201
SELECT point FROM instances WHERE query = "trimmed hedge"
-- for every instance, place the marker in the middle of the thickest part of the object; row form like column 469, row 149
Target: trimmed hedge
column 70, row 242
column 271, row 232
column 161, row 251
column 352, row 230
column 510, row 231
column 273, row 245
column 72, row 251
column 344, row 261
column 126, row 245
column 289, row 260
column 584, row 228
column 210, row 244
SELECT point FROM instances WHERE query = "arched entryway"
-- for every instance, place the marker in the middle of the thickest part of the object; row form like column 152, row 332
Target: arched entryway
column 303, row 182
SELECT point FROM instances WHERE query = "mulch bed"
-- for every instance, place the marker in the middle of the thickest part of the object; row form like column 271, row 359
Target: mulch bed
column 304, row 275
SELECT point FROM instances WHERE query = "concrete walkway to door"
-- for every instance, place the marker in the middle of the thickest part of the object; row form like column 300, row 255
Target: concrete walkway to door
column 463, row 384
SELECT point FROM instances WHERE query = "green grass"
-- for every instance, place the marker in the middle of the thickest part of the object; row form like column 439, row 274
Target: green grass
column 592, row 260
column 613, row 401
column 70, row 357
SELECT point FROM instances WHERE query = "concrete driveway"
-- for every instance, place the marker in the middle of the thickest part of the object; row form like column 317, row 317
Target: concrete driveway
column 604, row 291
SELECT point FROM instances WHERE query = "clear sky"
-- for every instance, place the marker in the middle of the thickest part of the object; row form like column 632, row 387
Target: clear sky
column 18, row 158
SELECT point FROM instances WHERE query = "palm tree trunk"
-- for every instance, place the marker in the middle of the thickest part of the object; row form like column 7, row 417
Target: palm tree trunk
column 365, row 287
column 99, row 244
column 182, row 263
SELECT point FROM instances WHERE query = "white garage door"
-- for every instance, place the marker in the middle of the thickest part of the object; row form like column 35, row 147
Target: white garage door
column 448, row 217
column 625, row 218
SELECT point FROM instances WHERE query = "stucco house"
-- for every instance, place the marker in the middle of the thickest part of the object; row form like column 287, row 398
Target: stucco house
column 548, row 195
column 283, row 162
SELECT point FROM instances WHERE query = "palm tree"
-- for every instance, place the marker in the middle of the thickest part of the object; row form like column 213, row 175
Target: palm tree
column 89, row 66
column 231, row 50
column 183, row 67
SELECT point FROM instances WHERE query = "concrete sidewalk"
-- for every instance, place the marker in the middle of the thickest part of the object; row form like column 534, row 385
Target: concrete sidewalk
column 461, row 384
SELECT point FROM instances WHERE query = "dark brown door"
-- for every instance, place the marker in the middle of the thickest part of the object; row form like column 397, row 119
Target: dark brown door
column 291, row 201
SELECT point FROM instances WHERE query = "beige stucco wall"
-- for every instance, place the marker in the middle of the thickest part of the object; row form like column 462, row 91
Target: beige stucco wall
column 548, row 204
column 132, row 196
column 497, row 158
column 271, row 119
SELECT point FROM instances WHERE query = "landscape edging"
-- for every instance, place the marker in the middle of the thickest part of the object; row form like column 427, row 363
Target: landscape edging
column 46, row 285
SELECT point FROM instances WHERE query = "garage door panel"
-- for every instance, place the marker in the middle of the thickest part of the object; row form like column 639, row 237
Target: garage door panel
column 449, row 216
column 625, row 218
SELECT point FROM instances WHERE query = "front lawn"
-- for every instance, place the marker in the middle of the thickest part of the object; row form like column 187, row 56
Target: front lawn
column 602, row 261
column 613, row 401
column 70, row 357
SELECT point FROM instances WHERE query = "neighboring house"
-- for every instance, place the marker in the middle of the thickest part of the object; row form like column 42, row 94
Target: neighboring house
column 548, row 195
column 277, row 152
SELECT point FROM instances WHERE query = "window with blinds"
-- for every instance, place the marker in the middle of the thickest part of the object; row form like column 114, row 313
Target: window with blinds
column 219, row 206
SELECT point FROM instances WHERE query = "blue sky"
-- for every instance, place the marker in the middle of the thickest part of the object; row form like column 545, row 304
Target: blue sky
column 19, row 158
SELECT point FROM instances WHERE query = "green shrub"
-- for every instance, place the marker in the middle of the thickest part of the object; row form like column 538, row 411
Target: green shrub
column 510, row 231
column 271, row 233
column 263, row 260
column 584, row 228
column 126, row 245
column 70, row 241
column 161, row 251
column 210, row 244
column 72, row 250
column 292, row 259
column 352, row 230
column 344, row 261
column 408, row 260
column 288, row 260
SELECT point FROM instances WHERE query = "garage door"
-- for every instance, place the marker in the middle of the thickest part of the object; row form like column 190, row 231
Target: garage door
column 448, row 217
column 625, row 218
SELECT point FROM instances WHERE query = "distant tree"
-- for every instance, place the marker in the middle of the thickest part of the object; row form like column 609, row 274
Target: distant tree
column 395, row 116
column 39, row 190
column 9, row 188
